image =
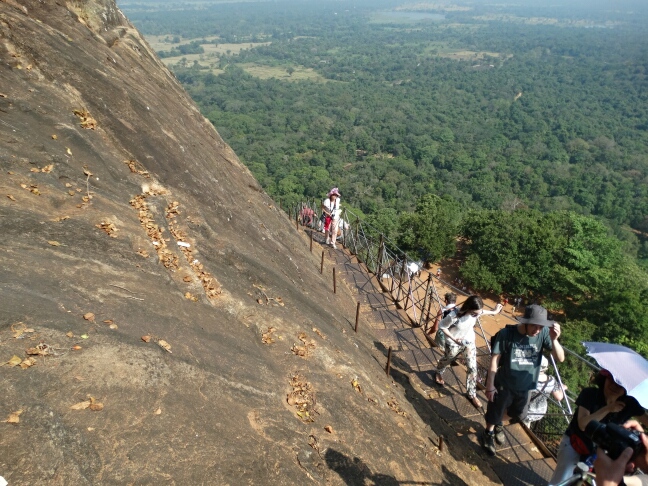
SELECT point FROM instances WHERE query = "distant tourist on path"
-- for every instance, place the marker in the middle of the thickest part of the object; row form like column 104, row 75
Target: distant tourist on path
column 331, row 209
column 514, row 370
column 329, row 205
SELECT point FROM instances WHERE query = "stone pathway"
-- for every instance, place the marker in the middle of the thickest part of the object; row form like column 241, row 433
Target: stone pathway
column 518, row 462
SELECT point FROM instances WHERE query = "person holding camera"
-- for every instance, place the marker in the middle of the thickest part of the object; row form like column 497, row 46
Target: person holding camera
column 514, row 370
column 607, row 402
column 611, row 472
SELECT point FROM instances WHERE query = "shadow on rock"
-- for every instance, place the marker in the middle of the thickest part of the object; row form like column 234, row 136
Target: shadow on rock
column 356, row 472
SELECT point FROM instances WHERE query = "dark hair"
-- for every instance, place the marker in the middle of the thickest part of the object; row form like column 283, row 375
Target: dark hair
column 472, row 303
column 601, row 376
column 450, row 297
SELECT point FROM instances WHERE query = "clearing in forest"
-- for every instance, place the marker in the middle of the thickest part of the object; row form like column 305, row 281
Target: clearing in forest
column 300, row 73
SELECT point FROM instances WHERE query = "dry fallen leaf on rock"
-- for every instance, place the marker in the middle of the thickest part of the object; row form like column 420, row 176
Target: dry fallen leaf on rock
column 89, row 316
column 41, row 350
column 69, row 334
column 34, row 169
column 158, row 411
column 60, row 218
column 76, row 347
column 71, row 193
column 329, row 429
column 48, row 168
column 164, row 345
column 95, row 406
column 113, row 326
column 81, row 405
column 14, row 361
column 91, row 403
column 146, row 338
column 14, row 417
column 266, row 337
column 19, row 328
column 356, row 385
column 54, row 137
column 54, row 243
column 27, row 363
column 11, row 197
column 187, row 278
column 319, row 333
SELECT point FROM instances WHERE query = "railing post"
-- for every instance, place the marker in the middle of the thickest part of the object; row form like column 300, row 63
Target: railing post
column 400, row 284
column 311, row 240
column 388, row 361
column 357, row 316
column 334, row 283
column 322, row 264
column 357, row 231
column 427, row 290
column 409, row 285
column 428, row 308
column 380, row 253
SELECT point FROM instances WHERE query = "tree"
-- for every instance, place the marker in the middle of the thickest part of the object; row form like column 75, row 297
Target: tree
column 431, row 230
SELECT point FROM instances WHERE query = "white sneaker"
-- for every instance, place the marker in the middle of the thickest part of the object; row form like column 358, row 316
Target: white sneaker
column 328, row 241
column 334, row 247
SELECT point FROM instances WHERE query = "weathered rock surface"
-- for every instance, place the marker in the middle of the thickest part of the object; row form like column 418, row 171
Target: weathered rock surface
column 106, row 165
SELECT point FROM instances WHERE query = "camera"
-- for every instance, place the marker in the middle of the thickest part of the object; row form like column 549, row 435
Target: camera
column 613, row 438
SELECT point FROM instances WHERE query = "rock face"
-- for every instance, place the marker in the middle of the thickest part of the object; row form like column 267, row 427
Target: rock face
column 157, row 286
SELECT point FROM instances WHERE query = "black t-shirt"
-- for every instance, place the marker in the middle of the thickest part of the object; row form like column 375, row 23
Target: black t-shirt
column 593, row 399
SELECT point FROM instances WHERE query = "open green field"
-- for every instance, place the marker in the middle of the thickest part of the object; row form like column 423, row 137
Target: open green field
column 300, row 73
column 442, row 49
column 207, row 60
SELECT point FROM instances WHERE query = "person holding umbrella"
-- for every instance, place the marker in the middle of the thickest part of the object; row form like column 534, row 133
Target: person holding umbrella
column 607, row 402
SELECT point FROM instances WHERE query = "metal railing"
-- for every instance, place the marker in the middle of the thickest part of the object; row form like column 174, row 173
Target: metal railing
column 421, row 302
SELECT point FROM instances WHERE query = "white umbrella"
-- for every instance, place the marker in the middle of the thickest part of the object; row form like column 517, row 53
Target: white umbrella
column 628, row 368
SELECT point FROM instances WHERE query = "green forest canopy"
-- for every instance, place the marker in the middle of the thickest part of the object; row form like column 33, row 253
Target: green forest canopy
column 528, row 123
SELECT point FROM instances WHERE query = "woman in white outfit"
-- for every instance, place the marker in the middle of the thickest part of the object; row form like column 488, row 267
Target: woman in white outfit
column 460, row 338
column 331, row 209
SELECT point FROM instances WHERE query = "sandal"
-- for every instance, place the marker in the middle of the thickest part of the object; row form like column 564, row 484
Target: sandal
column 439, row 379
column 476, row 402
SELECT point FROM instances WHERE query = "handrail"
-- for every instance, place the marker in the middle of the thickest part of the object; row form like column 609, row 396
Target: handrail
column 387, row 261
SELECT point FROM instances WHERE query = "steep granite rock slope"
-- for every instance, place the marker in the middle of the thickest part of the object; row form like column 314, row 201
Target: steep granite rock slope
column 152, row 294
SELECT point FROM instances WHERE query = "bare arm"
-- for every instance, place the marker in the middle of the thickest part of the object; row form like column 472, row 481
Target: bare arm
column 557, row 352
column 498, row 309
column 490, row 380
column 585, row 417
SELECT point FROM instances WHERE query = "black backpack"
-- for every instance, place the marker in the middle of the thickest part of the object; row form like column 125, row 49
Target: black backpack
column 449, row 311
